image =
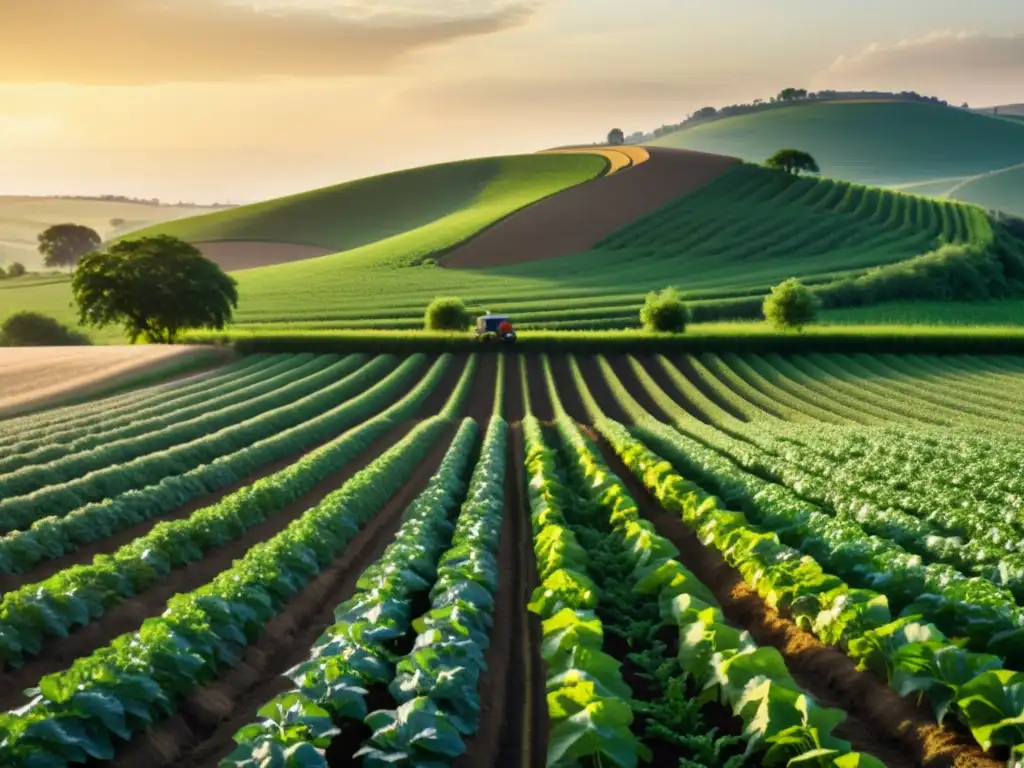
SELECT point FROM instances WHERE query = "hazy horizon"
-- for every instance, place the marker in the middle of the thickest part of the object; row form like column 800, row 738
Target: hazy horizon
column 223, row 100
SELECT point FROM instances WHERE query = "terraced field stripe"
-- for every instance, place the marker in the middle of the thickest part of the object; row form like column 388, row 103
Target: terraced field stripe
column 48, row 421
column 141, row 417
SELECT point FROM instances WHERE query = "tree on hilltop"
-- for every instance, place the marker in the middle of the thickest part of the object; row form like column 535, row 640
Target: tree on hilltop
column 793, row 161
column 62, row 245
column 616, row 137
column 792, row 94
column 155, row 287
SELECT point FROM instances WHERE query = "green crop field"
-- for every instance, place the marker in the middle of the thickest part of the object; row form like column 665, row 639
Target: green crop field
column 426, row 208
column 1007, row 312
column 514, row 559
column 1001, row 190
column 723, row 246
column 23, row 218
column 881, row 143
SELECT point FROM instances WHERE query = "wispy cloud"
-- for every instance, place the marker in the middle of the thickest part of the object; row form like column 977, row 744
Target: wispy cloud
column 950, row 58
column 139, row 42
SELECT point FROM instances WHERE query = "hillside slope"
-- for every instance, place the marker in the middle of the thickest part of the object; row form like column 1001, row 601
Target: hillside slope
column 880, row 143
column 359, row 213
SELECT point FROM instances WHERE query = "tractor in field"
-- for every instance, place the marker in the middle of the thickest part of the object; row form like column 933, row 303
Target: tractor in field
column 489, row 327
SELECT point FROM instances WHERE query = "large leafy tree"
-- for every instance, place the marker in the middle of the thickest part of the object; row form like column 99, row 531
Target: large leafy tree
column 63, row 245
column 616, row 137
column 793, row 161
column 155, row 287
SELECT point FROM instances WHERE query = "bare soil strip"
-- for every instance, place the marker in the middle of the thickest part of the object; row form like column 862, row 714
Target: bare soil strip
column 437, row 399
column 509, row 695
column 879, row 722
column 662, row 379
column 566, row 387
column 32, row 378
column 128, row 615
column 686, row 368
column 540, row 400
column 624, row 371
column 232, row 255
column 594, row 377
column 513, row 406
column 200, row 733
column 577, row 218
column 480, row 402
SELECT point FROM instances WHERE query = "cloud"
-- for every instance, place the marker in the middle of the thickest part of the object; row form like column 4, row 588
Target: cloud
column 141, row 42
column 950, row 58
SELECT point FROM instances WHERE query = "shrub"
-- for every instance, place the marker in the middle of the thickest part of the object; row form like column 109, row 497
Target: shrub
column 791, row 304
column 32, row 329
column 664, row 312
column 447, row 313
column 3, row 273
column 17, row 269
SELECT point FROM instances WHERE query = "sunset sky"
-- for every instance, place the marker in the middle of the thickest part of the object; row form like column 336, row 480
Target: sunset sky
column 241, row 100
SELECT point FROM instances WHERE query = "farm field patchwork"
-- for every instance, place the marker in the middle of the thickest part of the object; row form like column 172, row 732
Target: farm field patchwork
column 507, row 559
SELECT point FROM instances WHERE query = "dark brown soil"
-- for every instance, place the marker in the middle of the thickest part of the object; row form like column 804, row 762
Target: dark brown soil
column 620, row 364
column 568, row 393
column 594, row 377
column 540, row 401
column 128, row 616
column 200, row 733
column 249, row 254
column 577, row 218
column 508, row 695
column 513, row 406
column 480, row 401
column 879, row 722
column 437, row 399
column 682, row 362
column 662, row 379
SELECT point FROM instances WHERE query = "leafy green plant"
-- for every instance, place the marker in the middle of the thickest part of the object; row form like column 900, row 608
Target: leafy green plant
column 791, row 304
column 446, row 313
column 664, row 312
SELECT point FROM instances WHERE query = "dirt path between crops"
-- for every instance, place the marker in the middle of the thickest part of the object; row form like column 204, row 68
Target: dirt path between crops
column 200, row 732
column 879, row 722
column 579, row 217
column 232, row 255
column 480, row 401
column 513, row 407
column 655, row 370
column 128, row 615
column 513, row 707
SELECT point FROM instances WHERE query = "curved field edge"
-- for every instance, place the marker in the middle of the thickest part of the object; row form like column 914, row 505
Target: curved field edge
column 736, row 337
column 165, row 363
column 921, row 141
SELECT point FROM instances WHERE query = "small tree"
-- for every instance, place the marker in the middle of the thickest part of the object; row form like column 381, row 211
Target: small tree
column 616, row 137
column 155, row 287
column 3, row 273
column 33, row 329
column 17, row 269
column 793, row 161
column 446, row 313
column 791, row 304
column 664, row 312
column 62, row 245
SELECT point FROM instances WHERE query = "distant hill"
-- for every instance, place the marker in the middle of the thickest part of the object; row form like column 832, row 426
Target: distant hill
column 22, row 218
column 886, row 143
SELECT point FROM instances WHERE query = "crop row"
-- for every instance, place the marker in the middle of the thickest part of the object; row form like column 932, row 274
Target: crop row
column 42, row 449
column 912, row 655
column 79, row 595
column 80, row 461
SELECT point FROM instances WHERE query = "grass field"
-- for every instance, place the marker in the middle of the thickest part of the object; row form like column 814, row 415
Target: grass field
column 1006, row 312
column 880, row 143
column 723, row 246
column 492, row 560
column 433, row 204
column 23, row 218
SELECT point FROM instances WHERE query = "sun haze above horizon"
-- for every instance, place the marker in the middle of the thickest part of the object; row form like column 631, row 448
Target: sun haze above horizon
column 235, row 101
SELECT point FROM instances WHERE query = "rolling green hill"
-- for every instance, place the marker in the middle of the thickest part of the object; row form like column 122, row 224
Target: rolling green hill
column 371, row 210
column 871, row 142
column 23, row 218
column 723, row 246
column 1002, row 190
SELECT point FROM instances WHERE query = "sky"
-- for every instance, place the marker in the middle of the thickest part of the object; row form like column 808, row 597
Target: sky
column 241, row 100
